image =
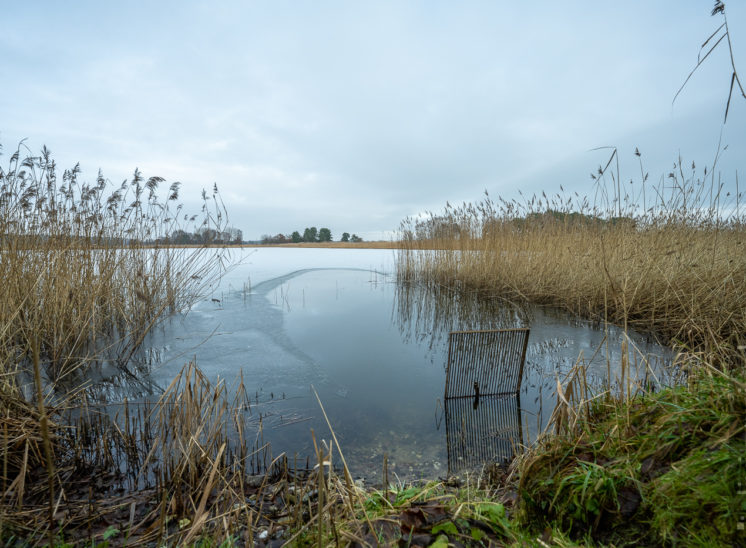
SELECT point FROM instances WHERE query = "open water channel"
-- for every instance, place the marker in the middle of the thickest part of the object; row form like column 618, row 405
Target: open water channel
column 335, row 320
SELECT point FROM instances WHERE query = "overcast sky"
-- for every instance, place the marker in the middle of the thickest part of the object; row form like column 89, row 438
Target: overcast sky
column 354, row 115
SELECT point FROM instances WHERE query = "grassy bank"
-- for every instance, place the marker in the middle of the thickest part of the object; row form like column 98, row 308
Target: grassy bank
column 662, row 468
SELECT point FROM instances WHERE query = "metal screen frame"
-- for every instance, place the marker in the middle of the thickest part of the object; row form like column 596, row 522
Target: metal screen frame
column 489, row 360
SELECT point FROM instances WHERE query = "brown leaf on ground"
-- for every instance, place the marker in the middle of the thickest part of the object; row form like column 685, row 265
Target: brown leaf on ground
column 433, row 512
column 412, row 519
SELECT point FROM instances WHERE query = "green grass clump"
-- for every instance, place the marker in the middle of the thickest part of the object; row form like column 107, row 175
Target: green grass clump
column 662, row 466
column 476, row 513
column 697, row 499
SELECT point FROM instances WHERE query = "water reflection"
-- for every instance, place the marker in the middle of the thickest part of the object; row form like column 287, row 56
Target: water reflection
column 427, row 315
column 558, row 342
column 484, row 431
column 376, row 352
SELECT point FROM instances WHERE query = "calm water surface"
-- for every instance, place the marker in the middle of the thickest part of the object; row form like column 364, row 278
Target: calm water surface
column 333, row 319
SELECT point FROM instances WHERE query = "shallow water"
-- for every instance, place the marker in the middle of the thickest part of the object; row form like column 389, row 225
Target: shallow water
column 335, row 320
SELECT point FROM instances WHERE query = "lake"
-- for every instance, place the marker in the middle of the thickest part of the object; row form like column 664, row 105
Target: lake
column 292, row 320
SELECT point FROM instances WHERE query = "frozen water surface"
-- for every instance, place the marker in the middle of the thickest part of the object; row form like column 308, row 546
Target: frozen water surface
column 334, row 319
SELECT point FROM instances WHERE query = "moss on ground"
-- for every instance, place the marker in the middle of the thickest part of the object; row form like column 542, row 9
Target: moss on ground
column 660, row 469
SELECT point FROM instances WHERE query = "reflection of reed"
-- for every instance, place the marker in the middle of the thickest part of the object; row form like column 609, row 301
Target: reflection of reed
column 106, row 380
column 489, row 432
column 428, row 314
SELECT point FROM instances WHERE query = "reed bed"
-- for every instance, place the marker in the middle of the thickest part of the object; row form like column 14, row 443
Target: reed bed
column 84, row 282
column 81, row 278
column 666, row 259
column 187, row 468
column 629, row 463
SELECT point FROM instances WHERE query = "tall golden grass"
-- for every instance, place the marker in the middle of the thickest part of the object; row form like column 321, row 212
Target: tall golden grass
column 82, row 285
column 80, row 275
column 667, row 259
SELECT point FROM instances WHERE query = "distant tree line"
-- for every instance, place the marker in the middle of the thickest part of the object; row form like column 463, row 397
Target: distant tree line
column 311, row 234
column 230, row 235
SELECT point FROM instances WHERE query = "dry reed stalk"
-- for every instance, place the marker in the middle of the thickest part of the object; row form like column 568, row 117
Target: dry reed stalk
column 350, row 490
column 45, row 435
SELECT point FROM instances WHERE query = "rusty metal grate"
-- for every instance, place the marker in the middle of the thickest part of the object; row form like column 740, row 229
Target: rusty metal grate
column 484, row 363
column 489, row 432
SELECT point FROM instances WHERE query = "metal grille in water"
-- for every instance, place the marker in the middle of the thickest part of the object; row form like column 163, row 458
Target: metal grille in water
column 482, row 363
column 489, row 432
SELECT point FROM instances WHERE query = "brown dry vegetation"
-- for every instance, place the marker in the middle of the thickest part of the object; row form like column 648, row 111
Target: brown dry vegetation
column 625, row 465
column 78, row 284
column 673, row 265
column 78, row 290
